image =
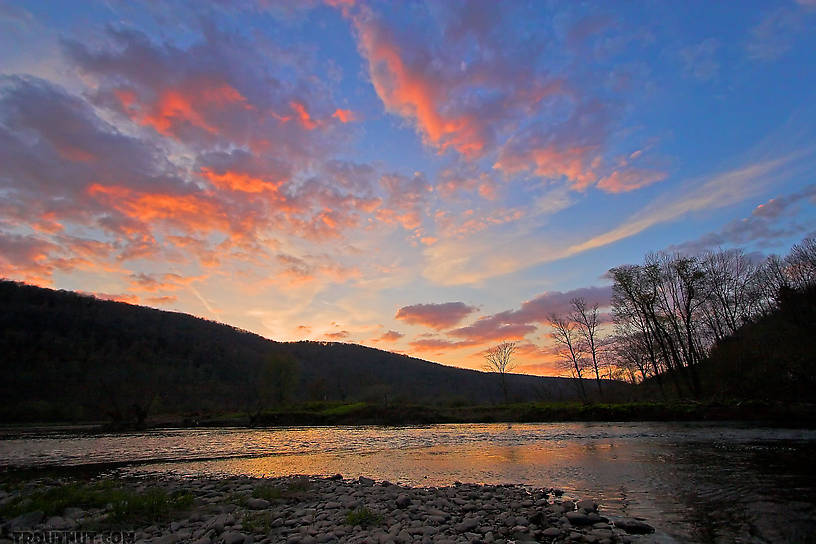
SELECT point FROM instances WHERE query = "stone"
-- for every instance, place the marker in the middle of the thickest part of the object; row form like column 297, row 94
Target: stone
column 73, row 513
column 366, row 481
column 403, row 500
column 169, row 538
column 233, row 537
column 58, row 523
column 634, row 526
column 257, row 504
column 26, row 521
column 467, row 524
column 588, row 504
column 551, row 532
column 578, row 518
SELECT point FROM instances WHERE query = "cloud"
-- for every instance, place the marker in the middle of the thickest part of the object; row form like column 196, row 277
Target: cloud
column 388, row 336
column 344, row 116
column 719, row 191
column 516, row 324
column 453, row 105
column 622, row 181
column 775, row 34
column 435, row 316
column 767, row 224
column 336, row 336
column 570, row 150
column 700, row 61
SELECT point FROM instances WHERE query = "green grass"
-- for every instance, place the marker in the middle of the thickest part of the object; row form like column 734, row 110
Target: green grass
column 238, row 499
column 257, row 522
column 127, row 505
column 152, row 505
column 298, row 485
column 344, row 409
column 267, row 492
column 363, row 517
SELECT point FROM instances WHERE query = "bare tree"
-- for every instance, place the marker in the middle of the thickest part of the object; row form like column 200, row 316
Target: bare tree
column 586, row 317
column 570, row 348
column 499, row 359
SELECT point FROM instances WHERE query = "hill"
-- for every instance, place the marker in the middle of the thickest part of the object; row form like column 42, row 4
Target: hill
column 72, row 357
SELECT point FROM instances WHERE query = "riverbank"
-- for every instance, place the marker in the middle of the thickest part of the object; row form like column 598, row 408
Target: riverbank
column 305, row 510
column 774, row 414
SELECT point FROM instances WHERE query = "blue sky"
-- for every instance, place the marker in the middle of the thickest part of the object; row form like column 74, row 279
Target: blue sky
column 430, row 178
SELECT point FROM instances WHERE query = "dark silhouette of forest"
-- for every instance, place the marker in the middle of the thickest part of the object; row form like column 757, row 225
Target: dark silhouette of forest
column 72, row 357
column 718, row 325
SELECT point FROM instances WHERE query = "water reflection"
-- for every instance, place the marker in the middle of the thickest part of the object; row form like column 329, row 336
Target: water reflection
column 699, row 483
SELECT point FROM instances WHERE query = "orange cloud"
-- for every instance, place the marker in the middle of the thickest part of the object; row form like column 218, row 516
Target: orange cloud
column 177, row 106
column 238, row 181
column 344, row 116
column 303, row 115
column 193, row 212
column 409, row 92
column 574, row 163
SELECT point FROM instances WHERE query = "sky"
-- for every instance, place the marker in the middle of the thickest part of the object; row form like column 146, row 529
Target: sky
column 430, row 178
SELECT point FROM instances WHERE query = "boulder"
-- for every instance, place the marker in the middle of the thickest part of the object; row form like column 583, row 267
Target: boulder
column 233, row 537
column 579, row 518
column 257, row 504
column 634, row 526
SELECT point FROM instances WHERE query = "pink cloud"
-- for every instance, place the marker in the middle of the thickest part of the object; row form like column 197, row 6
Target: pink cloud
column 435, row 316
column 621, row 181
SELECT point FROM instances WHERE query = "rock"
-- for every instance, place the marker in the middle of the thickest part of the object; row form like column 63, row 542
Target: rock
column 169, row 538
column 257, row 504
column 59, row 523
column 403, row 500
column 588, row 504
column 578, row 518
column 26, row 521
column 73, row 513
column 468, row 524
column 366, row 481
column 233, row 537
column 336, row 477
column 634, row 526
column 551, row 532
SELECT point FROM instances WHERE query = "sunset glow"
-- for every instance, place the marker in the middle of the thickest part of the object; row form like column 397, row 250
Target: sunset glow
column 429, row 178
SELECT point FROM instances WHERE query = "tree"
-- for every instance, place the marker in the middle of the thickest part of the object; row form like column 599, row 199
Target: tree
column 570, row 348
column 499, row 359
column 586, row 317
column 272, row 385
column 279, row 377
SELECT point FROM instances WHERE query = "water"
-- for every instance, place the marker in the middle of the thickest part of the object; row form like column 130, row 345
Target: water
column 694, row 482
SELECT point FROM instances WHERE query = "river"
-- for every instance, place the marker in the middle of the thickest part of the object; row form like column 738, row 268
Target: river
column 695, row 482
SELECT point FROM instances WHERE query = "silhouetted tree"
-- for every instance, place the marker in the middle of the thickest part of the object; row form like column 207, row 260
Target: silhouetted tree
column 570, row 349
column 586, row 318
column 499, row 359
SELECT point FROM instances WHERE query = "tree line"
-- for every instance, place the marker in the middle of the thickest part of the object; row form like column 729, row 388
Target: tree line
column 678, row 320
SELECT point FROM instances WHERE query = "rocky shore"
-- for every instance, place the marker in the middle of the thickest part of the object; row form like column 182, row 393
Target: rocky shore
column 308, row 510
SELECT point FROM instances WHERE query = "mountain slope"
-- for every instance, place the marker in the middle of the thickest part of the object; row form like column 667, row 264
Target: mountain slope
column 67, row 356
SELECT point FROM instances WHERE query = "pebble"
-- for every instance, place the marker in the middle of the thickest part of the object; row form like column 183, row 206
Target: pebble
column 316, row 513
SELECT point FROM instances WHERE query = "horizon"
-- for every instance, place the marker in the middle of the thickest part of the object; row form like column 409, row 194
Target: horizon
column 426, row 179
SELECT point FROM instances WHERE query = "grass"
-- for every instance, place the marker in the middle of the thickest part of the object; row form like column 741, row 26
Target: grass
column 344, row 409
column 126, row 505
column 267, row 492
column 257, row 522
column 363, row 517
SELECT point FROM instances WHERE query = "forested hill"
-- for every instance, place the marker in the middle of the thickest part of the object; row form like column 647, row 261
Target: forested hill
column 66, row 356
